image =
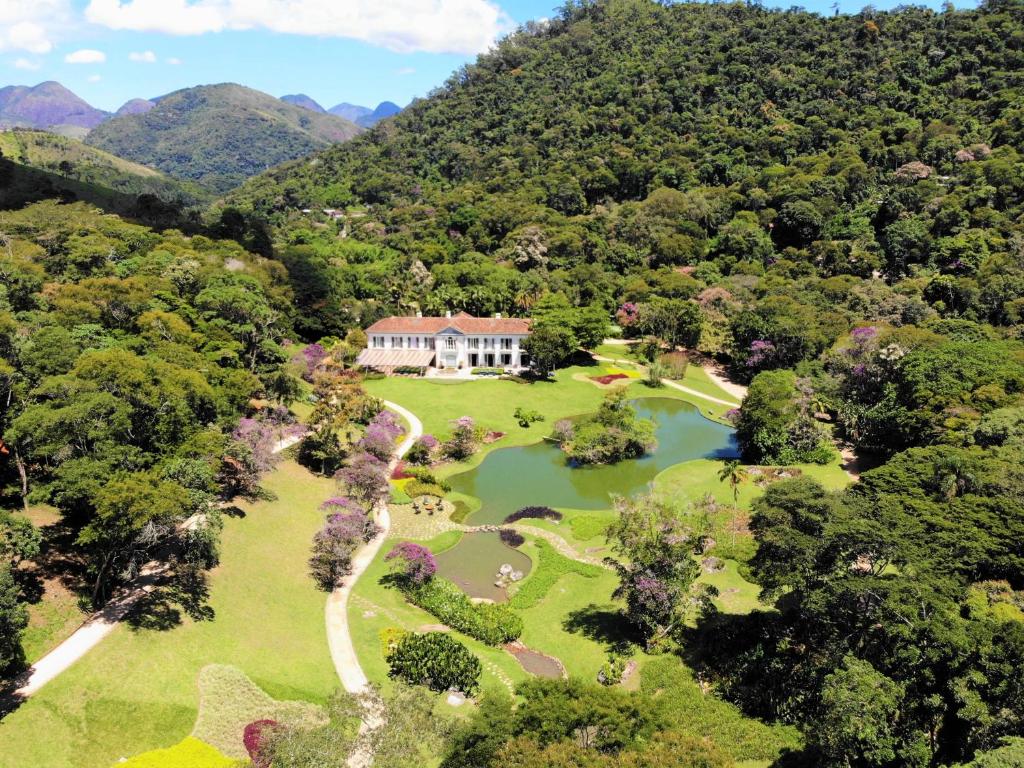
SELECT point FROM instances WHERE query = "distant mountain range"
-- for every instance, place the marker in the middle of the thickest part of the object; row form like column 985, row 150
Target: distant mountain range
column 218, row 135
column 362, row 116
column 213, row 135
column 48, row 105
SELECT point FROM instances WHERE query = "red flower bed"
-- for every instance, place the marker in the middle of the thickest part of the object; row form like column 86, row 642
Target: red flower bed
column 609, row 378
column 400, row 473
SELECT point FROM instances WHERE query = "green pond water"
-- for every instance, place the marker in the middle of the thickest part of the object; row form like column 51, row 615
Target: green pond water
column 538, row 475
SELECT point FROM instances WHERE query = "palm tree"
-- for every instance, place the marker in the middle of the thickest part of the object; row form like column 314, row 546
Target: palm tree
column 734, row 473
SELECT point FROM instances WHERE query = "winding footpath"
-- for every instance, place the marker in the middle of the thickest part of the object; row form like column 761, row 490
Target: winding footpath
column 101, row 623
column 675, row 385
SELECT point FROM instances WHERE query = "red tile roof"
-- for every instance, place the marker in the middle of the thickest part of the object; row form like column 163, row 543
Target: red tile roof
column 463, row 322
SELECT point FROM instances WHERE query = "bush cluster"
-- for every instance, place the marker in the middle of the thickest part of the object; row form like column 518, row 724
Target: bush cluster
column 435, row 660
column 536, row 513
column 490, row 624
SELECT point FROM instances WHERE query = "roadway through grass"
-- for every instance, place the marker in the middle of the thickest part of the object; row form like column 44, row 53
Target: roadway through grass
column 138, row 689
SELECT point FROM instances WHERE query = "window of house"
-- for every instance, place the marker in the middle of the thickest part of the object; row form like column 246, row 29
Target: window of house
column 449, row 342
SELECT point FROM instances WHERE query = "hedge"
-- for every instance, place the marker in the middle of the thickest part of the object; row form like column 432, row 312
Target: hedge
column 488, row 623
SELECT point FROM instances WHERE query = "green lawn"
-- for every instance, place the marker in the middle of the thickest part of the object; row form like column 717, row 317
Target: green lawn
column 137, row 690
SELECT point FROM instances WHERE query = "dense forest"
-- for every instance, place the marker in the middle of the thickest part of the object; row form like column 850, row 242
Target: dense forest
column 127, row 358
column 831, row 207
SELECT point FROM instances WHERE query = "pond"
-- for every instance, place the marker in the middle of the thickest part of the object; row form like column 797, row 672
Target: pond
column 538, row 475
column 474, row 562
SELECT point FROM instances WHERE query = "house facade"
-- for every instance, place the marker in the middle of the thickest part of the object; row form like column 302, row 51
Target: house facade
column 451, row 342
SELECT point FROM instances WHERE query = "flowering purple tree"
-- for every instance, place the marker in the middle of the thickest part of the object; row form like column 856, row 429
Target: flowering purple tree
column 335, row 544
column 366, row 478
column 761, row 353
column 465, row 439
column 412, row 562
column 386, row 421
column 654, row 547
column 377, row 441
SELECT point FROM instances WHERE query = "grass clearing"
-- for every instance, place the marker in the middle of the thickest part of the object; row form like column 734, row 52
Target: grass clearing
column 137, row 690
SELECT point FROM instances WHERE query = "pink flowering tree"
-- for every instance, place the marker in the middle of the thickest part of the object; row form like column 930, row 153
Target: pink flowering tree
column 366, row 479
column 335, row 544
column 465, row 439
column 412, row 562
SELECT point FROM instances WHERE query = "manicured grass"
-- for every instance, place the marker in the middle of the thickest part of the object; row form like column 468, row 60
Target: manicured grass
column 137, row 690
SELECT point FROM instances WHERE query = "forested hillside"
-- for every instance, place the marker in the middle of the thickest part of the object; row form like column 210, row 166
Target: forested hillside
column 126, row 360
column 72, row 159
column 219, row 135
column 830, row 206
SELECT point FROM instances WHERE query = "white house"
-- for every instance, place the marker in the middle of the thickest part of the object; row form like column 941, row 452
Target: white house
column 459, row 341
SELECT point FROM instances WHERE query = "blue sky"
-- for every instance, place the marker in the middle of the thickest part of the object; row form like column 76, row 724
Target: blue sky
column 359, row 51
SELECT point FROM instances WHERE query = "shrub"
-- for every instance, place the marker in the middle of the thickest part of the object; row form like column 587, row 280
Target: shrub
column 511, row 538
column 412, row 562
column 535, row 513
column 416, row 488
column 490, row 624
column 526, row 417
column 255, row 739
column 389, row 639
column 425, row 475
column 437, row 661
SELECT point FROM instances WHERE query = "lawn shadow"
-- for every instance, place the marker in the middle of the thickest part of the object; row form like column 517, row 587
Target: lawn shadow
column 186, row 593
column 604, row 625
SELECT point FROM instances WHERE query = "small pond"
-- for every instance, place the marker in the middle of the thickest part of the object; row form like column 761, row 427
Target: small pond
column 474, row 562
column 512, row 478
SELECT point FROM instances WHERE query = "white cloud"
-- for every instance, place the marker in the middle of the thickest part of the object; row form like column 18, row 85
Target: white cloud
column 29, row 25
column 173, row 61
column 94, row 78
column 143, row 57
column 86, row 56
column 436, row 26
column 26, row 64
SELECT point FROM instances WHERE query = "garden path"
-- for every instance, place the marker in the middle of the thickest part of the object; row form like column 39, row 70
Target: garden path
column 103, row 622
column 674, row 384
column 339, row 639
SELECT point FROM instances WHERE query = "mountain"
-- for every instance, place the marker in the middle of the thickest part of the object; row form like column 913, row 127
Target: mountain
column 135, row 107
column 384, row 110
column 72, row 159
column 219, row 135
column 365, row 116
column 46, row 105
column 351, row 112
column 304, row 101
